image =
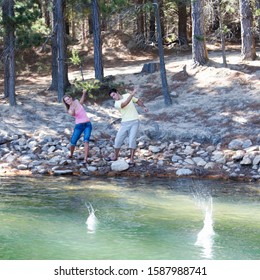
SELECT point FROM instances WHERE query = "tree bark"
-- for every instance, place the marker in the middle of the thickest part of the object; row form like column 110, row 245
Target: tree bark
column 161, row 13
column 248, row 51
column 99, row 73
column 182, row 23
column 90, row 24
column 9, row 49
column 61, row 48
column 215, row 15
column 60, row 80
column 257, row 4
column 54, row 51
column 167, row 98
column 152, row 27
column 223, row 42
column 199, row 51
column 45, row 12
column 6, row 48
column 140, row 30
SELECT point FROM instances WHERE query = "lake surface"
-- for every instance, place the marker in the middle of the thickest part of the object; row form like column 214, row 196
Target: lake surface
column 134, row 219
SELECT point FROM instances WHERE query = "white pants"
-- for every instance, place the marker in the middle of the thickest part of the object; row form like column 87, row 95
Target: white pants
column 129, row 129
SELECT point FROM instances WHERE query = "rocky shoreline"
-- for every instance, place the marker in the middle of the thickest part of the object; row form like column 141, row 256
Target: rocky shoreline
column 211, row 130
column 41, row 154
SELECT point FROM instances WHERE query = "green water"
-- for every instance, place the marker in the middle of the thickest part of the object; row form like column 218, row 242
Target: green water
column 45, row 218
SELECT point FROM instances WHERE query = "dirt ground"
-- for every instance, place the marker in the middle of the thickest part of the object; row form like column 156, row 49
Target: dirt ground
column 209, row 103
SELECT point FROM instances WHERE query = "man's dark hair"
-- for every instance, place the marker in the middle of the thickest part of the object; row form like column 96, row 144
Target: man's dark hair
column 112, row 90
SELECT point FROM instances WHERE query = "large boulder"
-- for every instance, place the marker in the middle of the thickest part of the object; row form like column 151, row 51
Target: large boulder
column 119, row 165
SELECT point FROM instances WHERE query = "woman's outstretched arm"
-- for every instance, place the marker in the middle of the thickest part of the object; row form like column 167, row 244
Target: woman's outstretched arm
column 83, row 97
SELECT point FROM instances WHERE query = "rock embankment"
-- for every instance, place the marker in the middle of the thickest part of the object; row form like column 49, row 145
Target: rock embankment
column 43, row 154
column 210, row 130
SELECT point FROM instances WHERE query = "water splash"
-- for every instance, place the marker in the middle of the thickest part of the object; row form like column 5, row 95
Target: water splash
column 92, row 220
column 205, row 238
column 204, row 200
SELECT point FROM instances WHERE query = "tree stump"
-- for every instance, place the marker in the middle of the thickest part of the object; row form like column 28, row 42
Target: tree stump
column 150, row 67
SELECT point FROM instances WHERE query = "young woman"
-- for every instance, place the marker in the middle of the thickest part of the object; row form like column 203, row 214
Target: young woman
column 82, row 123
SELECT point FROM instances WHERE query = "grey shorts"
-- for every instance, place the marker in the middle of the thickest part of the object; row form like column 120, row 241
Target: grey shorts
column 129, row 129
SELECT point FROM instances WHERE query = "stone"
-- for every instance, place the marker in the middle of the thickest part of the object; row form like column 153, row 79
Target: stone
column 188, row 150
column 10, row 158
column 218, row 157
column 209, row 165
column 252, row 149
column 21, row 167
column 246, row 160
column 176, row 158
column 183, row 171
column 235, row 144
column 256, row 160
column 247, row 143
column 199, row 161
column 63, row 172
column 51, row 149
column 92, row 168
column 25, row 159
column 42, row 171
column 154, row 149
column 189, row 161
column 210, row 149
column 238, row 155
column 119, row 165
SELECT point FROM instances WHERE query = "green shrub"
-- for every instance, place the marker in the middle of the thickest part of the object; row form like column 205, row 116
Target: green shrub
column 97, row 90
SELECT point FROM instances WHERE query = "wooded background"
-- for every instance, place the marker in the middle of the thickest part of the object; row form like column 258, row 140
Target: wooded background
column 60, row 24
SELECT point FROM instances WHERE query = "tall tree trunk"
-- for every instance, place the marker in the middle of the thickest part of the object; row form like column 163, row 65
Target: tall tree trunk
column 99, row 73
column 140, row 32
column 9, row 40
column 220, row 22
column 67, row 25
column 90, row 24
column 61, row 48
column 73, row 29
column 189, row 33
column 59, row 51
column 257, row 4
column 199, row 51
column 167, row 98
column 54, row 50
column 84, row 30
column 215, row 15
column 161, row 13
column 6, row 48
column 45, row 12
column 152, row 27
column 12, row 98
column 6, row 72
column 248, row 51
column 182, row 23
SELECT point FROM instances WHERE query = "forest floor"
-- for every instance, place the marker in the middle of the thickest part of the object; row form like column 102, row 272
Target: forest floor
column 209, row 103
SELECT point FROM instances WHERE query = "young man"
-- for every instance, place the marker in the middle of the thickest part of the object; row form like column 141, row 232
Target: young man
column 130, row 121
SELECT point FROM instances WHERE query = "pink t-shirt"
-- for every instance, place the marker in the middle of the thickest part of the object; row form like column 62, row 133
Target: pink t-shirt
column 80, row 114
